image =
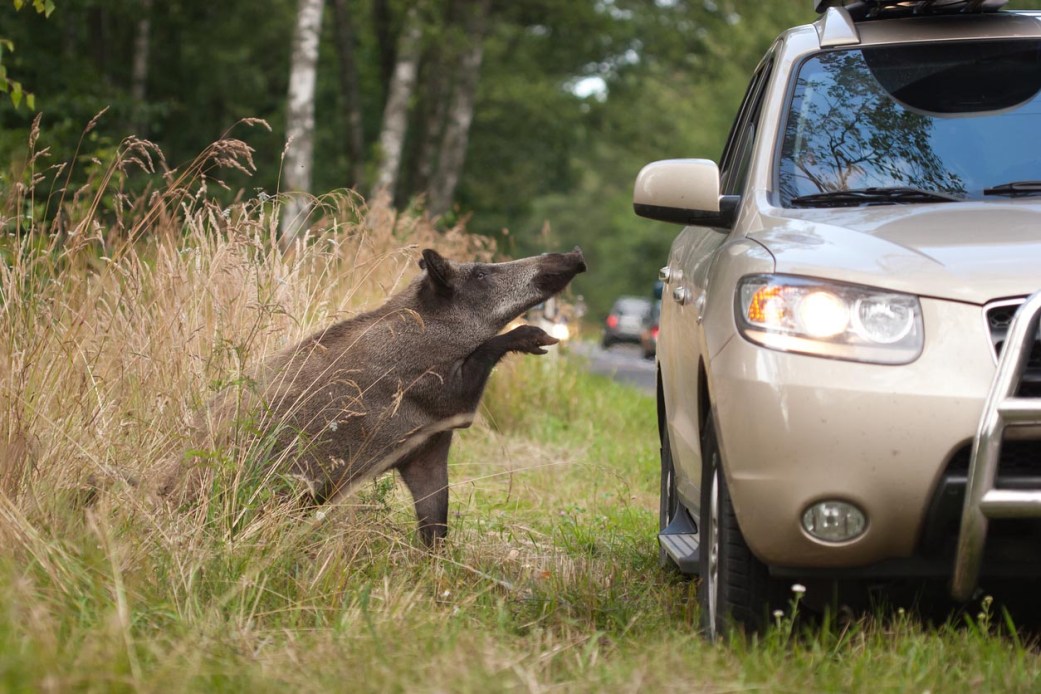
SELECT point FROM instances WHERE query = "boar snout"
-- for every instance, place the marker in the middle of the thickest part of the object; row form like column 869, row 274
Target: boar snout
column 579, row 259
column 559, row 263
column 557, row 269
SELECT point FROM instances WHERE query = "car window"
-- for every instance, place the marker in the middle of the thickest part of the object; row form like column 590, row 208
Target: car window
column 954, row 118
column 737, row 154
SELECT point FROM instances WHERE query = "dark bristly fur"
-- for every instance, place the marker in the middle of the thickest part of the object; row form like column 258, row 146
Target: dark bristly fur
column 385, row 389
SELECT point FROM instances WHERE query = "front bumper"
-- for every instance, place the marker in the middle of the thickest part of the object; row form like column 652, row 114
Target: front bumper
column 797, row 429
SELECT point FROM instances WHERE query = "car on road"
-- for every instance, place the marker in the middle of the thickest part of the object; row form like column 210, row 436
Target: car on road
column 625, row 321
column 849, row 363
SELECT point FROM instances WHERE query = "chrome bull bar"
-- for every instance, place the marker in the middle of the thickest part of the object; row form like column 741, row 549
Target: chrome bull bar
column 1001, row 409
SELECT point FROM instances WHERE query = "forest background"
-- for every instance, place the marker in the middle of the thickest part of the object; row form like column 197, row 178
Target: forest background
column 529, row 117
column 567, row 101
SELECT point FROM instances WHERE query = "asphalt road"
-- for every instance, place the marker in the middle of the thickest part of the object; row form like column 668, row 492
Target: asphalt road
column 624, row 363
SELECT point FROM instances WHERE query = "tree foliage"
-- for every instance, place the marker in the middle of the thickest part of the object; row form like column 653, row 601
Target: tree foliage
column 10, row 86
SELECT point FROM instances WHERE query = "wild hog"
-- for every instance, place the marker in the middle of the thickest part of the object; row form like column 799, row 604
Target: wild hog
column 385, row 389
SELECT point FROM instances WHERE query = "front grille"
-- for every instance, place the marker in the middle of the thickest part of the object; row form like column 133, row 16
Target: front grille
column 1019, row 467
column 1018, row 459
column 999, row 318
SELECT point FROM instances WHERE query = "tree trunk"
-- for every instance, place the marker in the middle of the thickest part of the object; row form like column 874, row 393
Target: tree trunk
column 139, row 67
column 441, row 191
column 395, row 113
column 345, row 46
column 436, row 80
column 431, row 124
column 299, row 151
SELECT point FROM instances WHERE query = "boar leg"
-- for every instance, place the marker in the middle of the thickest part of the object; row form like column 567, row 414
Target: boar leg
column 426, row 476
column 478, row 366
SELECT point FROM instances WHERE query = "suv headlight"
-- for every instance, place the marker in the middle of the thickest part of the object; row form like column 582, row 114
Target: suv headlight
column 830, row 319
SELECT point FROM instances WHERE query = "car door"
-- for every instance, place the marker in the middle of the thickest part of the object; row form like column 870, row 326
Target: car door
column 684, row 297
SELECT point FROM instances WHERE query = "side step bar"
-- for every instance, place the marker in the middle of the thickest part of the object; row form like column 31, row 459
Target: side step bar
column 680, row 542
column 1002, row 409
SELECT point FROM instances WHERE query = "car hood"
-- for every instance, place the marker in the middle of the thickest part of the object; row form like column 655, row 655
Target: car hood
column 969, row 251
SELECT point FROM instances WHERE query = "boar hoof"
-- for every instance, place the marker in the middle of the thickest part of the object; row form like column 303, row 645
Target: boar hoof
column 530, row 339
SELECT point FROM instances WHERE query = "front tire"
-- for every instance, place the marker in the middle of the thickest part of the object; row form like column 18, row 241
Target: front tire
column 736, row 588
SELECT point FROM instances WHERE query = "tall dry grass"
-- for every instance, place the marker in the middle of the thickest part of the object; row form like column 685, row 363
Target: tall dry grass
column 121, row 316
column 117, row 328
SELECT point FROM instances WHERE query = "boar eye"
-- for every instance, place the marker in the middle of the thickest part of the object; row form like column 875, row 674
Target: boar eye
column 480, row 275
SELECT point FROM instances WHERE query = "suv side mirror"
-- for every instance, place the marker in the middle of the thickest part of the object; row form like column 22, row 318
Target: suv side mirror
column 683, row 191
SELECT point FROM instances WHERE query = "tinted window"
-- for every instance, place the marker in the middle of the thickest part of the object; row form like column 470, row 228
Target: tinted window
column 948, row 117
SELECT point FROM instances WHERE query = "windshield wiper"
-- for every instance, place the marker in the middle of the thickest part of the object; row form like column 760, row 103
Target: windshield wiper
column 872, row 196
column 1015, row 189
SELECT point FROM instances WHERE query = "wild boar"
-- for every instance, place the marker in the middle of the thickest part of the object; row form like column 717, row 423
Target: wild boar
column 384, row 390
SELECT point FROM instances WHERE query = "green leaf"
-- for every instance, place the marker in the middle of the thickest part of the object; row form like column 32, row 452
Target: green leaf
column 18, row 4
column 3, row 86
column 8, row 44
column 48, row 7
column 3, row 73
column 30, row 101
column 16, row 93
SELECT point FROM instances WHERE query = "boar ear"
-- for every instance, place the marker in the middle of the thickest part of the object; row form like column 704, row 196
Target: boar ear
column 439, row 270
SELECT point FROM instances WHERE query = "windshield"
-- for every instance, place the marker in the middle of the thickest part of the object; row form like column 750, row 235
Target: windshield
column 947, row 118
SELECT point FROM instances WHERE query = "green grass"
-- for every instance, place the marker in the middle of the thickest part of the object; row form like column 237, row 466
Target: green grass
column 550, row 580
column 115, row 334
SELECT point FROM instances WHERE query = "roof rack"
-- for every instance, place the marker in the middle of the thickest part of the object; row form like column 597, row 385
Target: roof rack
column 860, row 10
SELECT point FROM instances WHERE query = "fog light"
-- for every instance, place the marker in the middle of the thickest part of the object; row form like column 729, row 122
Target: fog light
column 834, row 521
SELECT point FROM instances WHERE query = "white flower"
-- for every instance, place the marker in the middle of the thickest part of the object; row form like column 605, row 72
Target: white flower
column 798, row 589
column 778, row 614
column 332, row 425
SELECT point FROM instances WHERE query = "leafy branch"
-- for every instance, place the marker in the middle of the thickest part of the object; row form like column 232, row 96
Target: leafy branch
column 13, row 87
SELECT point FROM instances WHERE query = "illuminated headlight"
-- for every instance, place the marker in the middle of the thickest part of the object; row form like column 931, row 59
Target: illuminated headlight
column 830, row 319
column 559, row 331
column 834, row 521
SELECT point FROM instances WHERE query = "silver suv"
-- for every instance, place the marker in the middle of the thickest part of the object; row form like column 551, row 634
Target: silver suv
column 849, row 357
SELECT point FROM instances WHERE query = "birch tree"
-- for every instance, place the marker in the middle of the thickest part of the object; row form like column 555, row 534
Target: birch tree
column 395, row 112
column 441, row 189
column 438, row 62
column 299, row 151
